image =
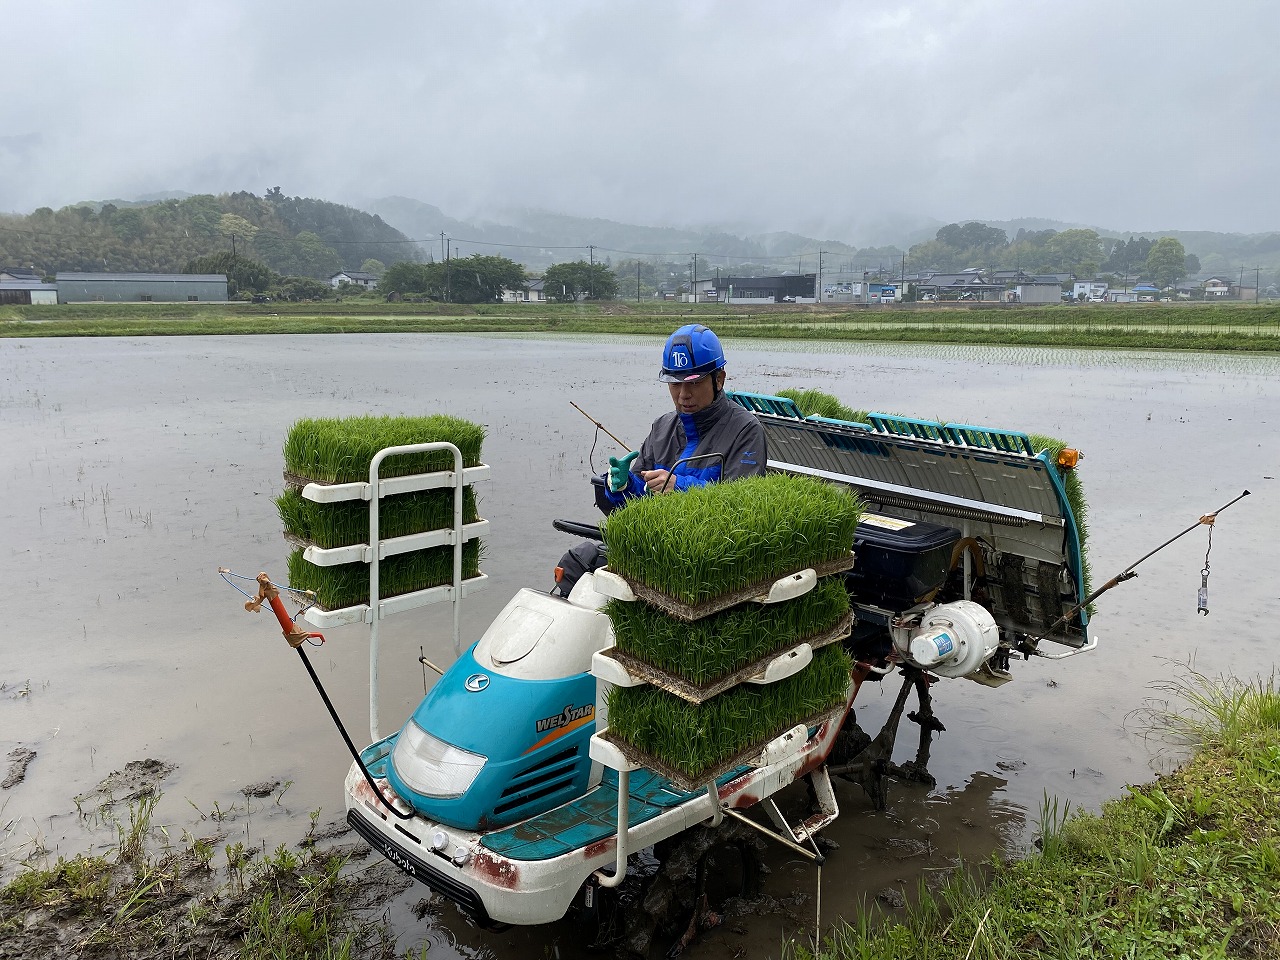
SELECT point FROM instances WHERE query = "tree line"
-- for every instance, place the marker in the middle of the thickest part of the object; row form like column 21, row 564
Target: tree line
column 290, row 236
column 1081, row 252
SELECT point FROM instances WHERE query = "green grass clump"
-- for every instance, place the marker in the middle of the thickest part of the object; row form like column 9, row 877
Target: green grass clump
column 342, row 524
column 815, row 403
column 713, row 540
column 347, row 584
column 340, row 450
column 1186, row 866
column 706, row 650
column 694, row 739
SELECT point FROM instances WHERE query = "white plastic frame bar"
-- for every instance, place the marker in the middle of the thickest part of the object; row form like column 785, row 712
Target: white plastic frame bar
column 1091, row 645
column 458, row 480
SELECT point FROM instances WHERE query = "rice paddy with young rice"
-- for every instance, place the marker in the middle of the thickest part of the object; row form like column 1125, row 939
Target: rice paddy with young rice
column 346, row 523
column 710, row 541
column 716, row 646
column 347, row 584
column 694, row 739
column 340, row 450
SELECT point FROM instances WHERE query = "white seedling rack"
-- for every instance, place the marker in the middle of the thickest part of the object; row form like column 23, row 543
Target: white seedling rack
column 772, row 757
column 377, row 549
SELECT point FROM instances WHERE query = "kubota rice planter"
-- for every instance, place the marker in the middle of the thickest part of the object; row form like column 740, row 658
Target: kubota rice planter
column 502, row 790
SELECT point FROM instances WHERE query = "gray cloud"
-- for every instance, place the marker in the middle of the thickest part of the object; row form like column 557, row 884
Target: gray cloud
column 822, row 116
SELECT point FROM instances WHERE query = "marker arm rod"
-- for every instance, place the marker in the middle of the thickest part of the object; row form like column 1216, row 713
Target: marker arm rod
column 1129, row 573
column 601, row 426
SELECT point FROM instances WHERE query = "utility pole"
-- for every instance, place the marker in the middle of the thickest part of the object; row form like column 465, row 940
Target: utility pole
column 693, row 285
column 637, row 281
column 442, row 253
column 1241, row 286
column 233, row 246
column 817, row 283
column 448, row 272
column 591, row 277
column 1257, row 285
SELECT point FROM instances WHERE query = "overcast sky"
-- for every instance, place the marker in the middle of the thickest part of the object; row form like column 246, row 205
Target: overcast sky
column 826, row 118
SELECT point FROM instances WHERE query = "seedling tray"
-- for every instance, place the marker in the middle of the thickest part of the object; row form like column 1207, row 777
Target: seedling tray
column 758, row 592
column 632, row 671
column 751, row 756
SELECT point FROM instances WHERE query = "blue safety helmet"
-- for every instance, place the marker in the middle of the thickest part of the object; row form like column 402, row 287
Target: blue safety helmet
column 691, row 353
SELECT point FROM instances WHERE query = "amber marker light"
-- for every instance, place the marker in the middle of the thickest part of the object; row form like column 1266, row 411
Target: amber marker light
column 1068, row 458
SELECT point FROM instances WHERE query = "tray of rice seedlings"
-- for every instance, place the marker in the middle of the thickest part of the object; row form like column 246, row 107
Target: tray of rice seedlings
column 692, row 744
column 339, row 450
column 698, row 660
column 347, row 584
column 713, row 547
column 346, row 523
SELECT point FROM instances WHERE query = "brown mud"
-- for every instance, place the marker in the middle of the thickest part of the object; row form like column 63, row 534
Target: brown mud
column 134, row 468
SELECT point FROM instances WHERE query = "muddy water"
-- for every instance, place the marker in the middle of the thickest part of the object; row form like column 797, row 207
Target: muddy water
column 132, row 469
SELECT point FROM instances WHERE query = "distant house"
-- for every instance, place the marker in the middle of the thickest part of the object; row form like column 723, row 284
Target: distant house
column 366, row 280
column 1038, row 290
column 531, row 291
column 1010, row 278
column 1216, row 287
column 790, row 287
column 27, row 292
column 1088, row 289
column 20, row 273
column 141, row 287
column 968, row 285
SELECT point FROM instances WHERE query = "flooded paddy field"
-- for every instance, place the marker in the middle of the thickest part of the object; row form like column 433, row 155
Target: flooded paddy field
column 133, row 468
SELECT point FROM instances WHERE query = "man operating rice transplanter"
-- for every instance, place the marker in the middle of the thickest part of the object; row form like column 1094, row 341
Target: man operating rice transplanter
column 706, row 438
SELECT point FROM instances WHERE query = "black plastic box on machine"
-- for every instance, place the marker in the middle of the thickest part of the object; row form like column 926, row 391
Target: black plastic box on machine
column 899, row 561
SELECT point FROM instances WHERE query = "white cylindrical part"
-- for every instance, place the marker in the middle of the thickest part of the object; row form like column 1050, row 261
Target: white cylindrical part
column 953, row 639
column 932, row 647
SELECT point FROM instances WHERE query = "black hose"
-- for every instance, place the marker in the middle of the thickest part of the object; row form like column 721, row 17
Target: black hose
column 343, row 730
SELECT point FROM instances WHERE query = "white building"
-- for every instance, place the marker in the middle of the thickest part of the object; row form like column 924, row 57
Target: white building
column 366, row 280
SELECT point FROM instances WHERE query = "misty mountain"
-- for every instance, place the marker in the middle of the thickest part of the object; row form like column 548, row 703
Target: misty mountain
column 538, row 238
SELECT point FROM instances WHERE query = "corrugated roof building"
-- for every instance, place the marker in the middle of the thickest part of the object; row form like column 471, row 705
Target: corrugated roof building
column 141, row 287
column 27, row 292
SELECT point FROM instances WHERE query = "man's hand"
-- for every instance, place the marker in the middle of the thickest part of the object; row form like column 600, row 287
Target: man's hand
column 658, row 481
column 620, row 471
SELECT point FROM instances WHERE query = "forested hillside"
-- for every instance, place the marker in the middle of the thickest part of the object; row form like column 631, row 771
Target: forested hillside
column 294, row 236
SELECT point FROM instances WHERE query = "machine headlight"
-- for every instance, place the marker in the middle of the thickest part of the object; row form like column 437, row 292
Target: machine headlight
column 431, row 767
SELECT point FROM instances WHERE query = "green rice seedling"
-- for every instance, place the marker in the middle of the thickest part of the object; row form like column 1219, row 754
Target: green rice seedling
column 340, row 450
column 1074, row 490
column 713, row 540
column 815, row 403
column 347, row 584
column 694, row 740
column 716, row 646
column 342, row 524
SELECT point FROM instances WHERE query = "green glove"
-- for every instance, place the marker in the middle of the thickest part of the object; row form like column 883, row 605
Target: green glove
column 620, row 471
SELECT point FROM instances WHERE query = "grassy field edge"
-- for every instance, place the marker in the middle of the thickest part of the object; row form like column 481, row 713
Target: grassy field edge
column 1213, row 327
column 1185, row 866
